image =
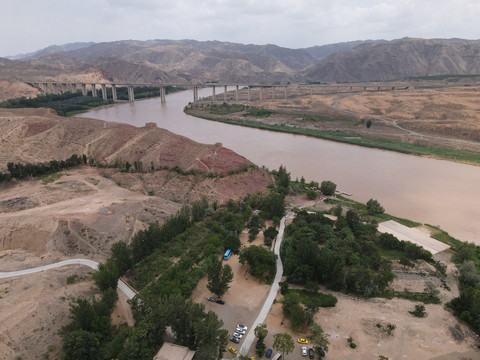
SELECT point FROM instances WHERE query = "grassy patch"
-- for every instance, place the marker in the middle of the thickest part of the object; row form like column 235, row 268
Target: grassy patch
column 325, row 300
column 46, row 179
column 422, row 297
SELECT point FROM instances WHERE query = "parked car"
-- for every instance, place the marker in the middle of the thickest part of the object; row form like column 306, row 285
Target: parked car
column 241, row 326
column 238, row 335
column 304, row 351
column 235, row 339
column 233, row 350
column 212, row 299
column 240, row 330
column 220, row 302
column 302, row 341
column 311, row 353
column 269, row 353
column 321, row 352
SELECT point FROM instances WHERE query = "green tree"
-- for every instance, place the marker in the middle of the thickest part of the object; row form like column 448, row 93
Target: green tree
column 261, row 332
column 81, row 345
column 311, row 195
column 328, row 188
column 318, row 338
column 283, row 342
column 219, row 277
column 122, row 257
column 262, row 261
column 269, row 234
column 107, row 275
column 374, row 207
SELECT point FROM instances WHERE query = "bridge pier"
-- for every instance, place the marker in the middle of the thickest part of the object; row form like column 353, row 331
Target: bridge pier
column 236, row 93
column 55, row 88
column 73, row 86
column 94, row 90
column 286, row 91
column 224, row 92
column 84, row 89
column 273, row 92
column 261, row 93
column 131, row 94
column 64, row 88
column 104, row 92
column 114, row 92
column 213, row 93
column 248, row 93
column 162, row 94
column 194, row 94
column 45, row 88
column 378, row 88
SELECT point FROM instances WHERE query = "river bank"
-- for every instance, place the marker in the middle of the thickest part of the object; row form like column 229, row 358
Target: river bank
column 344, row 130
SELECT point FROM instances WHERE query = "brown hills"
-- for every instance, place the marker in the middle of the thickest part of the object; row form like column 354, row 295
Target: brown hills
column 187, row 61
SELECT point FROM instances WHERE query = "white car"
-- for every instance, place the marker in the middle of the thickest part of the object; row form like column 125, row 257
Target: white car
column 237, row 335
column 240, row 330
column 304, row 350
column 241, row 326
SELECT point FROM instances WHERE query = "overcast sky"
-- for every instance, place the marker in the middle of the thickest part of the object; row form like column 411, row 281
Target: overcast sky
column 29, row 25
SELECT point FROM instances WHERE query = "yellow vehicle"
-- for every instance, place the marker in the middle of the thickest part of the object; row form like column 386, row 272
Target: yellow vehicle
column 302, row 341
column 233, row 350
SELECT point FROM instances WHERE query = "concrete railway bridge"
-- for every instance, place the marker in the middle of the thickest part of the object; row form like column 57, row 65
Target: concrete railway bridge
column 231, row 92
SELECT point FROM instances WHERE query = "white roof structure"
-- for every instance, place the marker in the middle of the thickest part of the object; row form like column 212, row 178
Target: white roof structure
column 412, row 235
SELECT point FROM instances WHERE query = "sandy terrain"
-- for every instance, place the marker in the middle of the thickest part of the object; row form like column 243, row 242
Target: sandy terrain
column 438, row 334
column 33, row 308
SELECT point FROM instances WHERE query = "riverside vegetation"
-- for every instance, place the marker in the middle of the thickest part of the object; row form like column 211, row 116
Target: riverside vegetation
column 165, row 263
column 69, row 104
column 250, row 116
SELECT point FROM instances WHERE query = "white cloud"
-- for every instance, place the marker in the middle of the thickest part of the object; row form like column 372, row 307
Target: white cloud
column 28, row 25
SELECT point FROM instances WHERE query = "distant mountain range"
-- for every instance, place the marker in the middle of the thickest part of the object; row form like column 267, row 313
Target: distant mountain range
column 186, row 61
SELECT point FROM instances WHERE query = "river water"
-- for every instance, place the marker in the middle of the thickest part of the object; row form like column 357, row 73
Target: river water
column 436, row 192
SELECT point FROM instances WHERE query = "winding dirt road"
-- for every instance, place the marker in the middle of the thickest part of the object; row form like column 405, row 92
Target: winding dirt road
column 122, row 286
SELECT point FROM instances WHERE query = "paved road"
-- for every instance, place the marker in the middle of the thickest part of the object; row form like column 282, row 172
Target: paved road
column 92, row 264
column 250, row 337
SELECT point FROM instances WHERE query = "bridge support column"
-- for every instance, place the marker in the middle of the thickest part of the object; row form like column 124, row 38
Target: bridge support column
column 104, row 92
column 273, row 92
column 286, row 91
column 84, row 89
column 73, row 86
column 324, row 90
column 351, row 89
column 337, row 89
column 213, row 93
column 162, row 94
column 55, row 88
column 236, row 93
column 364, row 88
column 248, row 93
column 131, row 94
column 261, row 93
column 45, row 88
column 64, row 88
column 224, row 92
column 311, row 90
column 195, row 94
column 114, row 92
column 94, row 90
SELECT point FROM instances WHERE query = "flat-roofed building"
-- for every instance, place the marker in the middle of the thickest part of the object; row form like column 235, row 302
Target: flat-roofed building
column 171, row 351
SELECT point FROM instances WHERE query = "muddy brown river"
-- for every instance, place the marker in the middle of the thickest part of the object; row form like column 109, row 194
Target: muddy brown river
column 436, row 192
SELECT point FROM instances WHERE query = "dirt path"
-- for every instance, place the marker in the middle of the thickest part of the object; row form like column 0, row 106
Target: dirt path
column 262, row 315
column 92, row 264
